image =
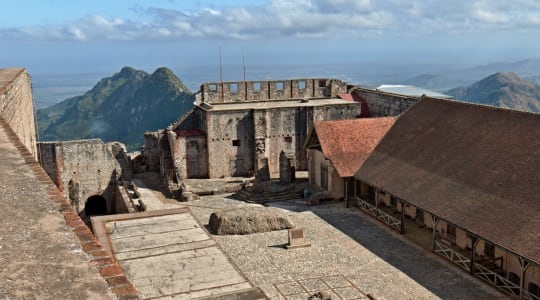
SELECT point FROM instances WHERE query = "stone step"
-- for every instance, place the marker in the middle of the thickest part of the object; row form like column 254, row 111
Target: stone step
column 250, row 197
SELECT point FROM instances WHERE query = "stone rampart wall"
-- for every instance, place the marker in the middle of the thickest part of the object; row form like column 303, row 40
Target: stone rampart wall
column 241, row 91
column 382, row 104
column 17, row 106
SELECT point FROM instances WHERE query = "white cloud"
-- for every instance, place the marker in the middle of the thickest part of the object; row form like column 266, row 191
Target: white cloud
column 301, row 18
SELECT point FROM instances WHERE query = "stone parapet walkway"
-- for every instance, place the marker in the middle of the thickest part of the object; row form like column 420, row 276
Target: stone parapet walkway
column 40, row 256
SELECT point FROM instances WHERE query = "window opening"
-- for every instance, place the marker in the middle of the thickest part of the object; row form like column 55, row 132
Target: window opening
column 256, row 86
column 233, row 87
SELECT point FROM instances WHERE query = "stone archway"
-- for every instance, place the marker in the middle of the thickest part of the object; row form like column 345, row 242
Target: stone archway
column 95, row 205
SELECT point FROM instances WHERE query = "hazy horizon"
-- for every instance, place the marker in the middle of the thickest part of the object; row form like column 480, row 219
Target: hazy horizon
column 60, row 36
column 55, row 37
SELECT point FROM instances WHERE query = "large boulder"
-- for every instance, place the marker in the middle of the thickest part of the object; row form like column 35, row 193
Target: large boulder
column 249, row 220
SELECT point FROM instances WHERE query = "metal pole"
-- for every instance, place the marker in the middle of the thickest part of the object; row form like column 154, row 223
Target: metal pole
column 243, row 63
column 221, row 75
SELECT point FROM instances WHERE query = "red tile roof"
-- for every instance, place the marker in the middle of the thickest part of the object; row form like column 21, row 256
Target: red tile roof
column 346, row 97
column 474, row 166
column 347, row 143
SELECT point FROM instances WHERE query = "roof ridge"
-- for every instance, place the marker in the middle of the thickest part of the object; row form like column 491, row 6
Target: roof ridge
column 454, row 101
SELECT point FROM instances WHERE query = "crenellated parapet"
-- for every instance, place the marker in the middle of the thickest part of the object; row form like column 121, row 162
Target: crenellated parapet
column 247, row 91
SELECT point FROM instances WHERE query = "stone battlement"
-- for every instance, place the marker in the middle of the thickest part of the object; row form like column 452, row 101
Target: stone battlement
column 246, row 91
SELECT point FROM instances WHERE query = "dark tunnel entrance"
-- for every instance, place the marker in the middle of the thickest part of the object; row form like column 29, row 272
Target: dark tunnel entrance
column 95, row 205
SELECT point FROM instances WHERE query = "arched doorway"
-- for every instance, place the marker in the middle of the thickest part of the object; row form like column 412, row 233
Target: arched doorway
column 95, row 205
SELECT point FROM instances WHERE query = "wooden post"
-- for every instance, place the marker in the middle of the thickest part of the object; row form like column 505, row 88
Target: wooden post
column 355, row 182
column 474, row 241
column 402, row 225
column 376, row 198
column 346, row 193
column 435, row 220
column 524, row 264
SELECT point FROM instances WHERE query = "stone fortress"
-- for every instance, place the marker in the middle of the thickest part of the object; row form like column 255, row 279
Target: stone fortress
column 247, row 128
column 235, row 132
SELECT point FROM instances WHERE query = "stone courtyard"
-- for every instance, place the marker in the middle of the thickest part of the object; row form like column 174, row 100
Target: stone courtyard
column 351, row 257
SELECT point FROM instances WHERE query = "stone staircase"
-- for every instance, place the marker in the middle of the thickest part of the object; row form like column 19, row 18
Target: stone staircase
column 265, row 197
column 125, row 165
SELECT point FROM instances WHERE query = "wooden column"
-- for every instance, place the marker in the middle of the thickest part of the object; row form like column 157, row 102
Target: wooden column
column 346, row 193
column 524, row 264
column 355, row 182
column 435, row 220
column 474, row 241
column 376, row 197
column 402, row 225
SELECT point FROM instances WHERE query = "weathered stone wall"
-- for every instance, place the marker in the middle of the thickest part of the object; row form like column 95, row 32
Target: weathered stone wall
column 81, row 169
column 241, row 140
column 17, row 106
column 381, row 104
column 239, row 91
column 230, row 138
column 191, row 156
column 151, row 151
column 282, row 129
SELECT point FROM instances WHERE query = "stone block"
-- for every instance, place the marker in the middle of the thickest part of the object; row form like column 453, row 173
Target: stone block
column 297, row 239
column 248, row 220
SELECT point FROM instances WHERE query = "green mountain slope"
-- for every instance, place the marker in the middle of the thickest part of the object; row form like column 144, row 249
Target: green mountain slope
column 502, row 90
column 118, row 108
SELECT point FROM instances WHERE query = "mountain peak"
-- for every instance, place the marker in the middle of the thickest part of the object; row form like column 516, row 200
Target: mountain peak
column 126, row 72
column 126, row 104
column 503, row 90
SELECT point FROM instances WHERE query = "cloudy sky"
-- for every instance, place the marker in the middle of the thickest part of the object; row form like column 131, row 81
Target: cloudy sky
column 90, row 35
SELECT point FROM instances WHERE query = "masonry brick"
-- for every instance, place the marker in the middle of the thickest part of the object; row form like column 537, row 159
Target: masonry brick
column 111, row 271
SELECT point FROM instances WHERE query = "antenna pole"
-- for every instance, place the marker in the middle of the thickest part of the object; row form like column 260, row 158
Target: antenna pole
column 243, row 62
column 221, row 75
column 220, row 68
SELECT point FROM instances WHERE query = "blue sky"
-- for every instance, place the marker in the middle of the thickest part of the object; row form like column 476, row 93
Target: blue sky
column 90, row 35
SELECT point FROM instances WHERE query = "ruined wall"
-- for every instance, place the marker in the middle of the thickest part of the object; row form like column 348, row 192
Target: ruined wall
column 276, row 131
column 230, row 138
column 151, row 151
column 81, row 169
column 381, row 104
column 189, row 153
column 17, row 106
column 239, row 91
column 194, row 120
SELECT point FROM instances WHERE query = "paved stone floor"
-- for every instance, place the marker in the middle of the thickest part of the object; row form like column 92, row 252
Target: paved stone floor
column 170, row 256
column 350, row 256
